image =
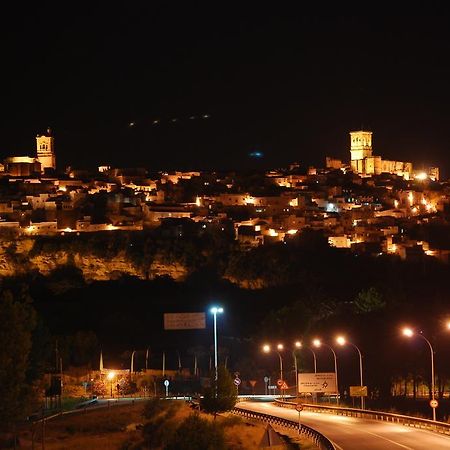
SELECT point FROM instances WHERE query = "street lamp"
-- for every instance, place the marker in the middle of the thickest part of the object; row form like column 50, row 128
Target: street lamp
column 215, row 310
column 297, row 345
column 318, row 343
column 342, row 341
column 266, row 349
column 111, row 376
column 280, row 347
column 409, row 332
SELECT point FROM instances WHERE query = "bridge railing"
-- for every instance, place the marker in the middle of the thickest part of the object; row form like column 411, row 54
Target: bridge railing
column 416, row 422
column 322, row 442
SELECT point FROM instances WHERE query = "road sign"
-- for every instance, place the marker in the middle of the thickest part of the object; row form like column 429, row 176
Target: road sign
column 184, row 321
column 237, row 381
column 252, row 383
column 358, row 391
column 166, row 383
column 284, row 386
column 272, row 386
column 280, row 382
column 299, row 407
column 317, row 382
column 434, row 403
column 266, row 379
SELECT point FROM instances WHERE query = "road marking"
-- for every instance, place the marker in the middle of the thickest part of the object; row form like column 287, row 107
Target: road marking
column 389, row 440
column 337, row 446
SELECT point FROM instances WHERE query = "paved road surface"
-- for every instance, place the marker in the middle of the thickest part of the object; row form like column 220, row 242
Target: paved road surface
column 350, row 433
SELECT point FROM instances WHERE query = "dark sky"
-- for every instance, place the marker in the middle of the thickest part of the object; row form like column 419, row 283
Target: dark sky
column 288, row 84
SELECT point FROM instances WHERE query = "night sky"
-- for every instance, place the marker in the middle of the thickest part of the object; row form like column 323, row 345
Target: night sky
column 286, row 84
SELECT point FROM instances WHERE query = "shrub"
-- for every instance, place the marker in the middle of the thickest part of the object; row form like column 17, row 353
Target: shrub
column 196, row 433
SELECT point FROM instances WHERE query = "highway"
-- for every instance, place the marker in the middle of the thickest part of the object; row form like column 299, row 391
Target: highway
column 349, row 433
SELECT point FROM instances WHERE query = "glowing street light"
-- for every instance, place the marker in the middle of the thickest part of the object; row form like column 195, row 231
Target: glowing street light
column 448, row 325
column 110, row 377
column 215, row 310
column 280, row 347
column 318, row 343
column 341, row 340
column 297, row 346
column 409, row 332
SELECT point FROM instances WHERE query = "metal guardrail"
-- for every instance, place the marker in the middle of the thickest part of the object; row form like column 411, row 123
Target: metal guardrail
column 319, row 439
column 416, row 422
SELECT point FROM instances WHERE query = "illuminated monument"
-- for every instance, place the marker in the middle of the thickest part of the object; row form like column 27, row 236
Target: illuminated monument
column 364, row 163
column 45, row 150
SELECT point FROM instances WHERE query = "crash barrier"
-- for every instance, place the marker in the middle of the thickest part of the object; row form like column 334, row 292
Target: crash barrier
column 322, row 442
column 415, row 422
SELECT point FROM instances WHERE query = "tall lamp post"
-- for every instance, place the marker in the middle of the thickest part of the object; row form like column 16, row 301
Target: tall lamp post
column 280, row 347
column 111, row 376
column 408, row 332
column 342, row 341
column 297, row 345
column 318, row 343
column 215, row 310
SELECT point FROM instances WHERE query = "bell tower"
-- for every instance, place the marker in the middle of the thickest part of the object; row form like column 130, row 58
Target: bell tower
column 360, row 144
column 45, row 150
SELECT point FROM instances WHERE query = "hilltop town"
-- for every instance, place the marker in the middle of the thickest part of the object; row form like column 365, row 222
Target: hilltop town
column 367, row 206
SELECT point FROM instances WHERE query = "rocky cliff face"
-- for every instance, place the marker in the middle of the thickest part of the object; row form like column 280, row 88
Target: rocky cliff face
column 17, row 258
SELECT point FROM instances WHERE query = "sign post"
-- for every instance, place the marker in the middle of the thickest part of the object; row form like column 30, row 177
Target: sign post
column 237, row 382
column 299, row 408
column 166, row 384
column 321, row 382
column 184, row 321
column 266, row 381
column 358, row 391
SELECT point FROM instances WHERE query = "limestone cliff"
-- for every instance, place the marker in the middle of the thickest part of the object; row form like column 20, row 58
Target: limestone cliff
column 20, row 256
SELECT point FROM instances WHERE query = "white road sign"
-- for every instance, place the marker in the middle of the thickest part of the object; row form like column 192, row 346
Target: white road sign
column 184, row 321
column 317, row 382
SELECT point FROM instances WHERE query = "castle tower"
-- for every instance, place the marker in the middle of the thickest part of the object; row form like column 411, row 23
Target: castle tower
column 45, row 150
column 360, row 148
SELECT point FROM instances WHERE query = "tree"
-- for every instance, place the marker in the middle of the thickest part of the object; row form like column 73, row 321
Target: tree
column 368, row 301
column 99, row 388
column 226, row 393
column 17, row 322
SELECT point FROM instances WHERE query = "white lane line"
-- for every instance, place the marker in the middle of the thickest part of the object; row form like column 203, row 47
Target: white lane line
column 389, row 440
column 338, row 447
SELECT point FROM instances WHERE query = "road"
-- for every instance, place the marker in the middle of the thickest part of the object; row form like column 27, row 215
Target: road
column 350, row 433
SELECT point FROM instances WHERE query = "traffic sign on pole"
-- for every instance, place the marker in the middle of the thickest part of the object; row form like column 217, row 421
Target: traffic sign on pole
column 434, row 403
column 166, row 384
column 280, row 382
column 237, row 381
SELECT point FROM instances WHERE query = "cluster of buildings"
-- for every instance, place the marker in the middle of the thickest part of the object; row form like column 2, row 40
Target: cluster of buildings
column 369, row 205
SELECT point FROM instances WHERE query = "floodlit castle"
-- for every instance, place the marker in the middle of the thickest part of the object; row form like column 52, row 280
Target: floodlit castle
column 365, row 163
column 45, row 150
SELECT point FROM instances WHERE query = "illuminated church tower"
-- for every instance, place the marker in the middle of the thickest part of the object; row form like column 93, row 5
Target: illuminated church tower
column 45, row 147
column 360, row 148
